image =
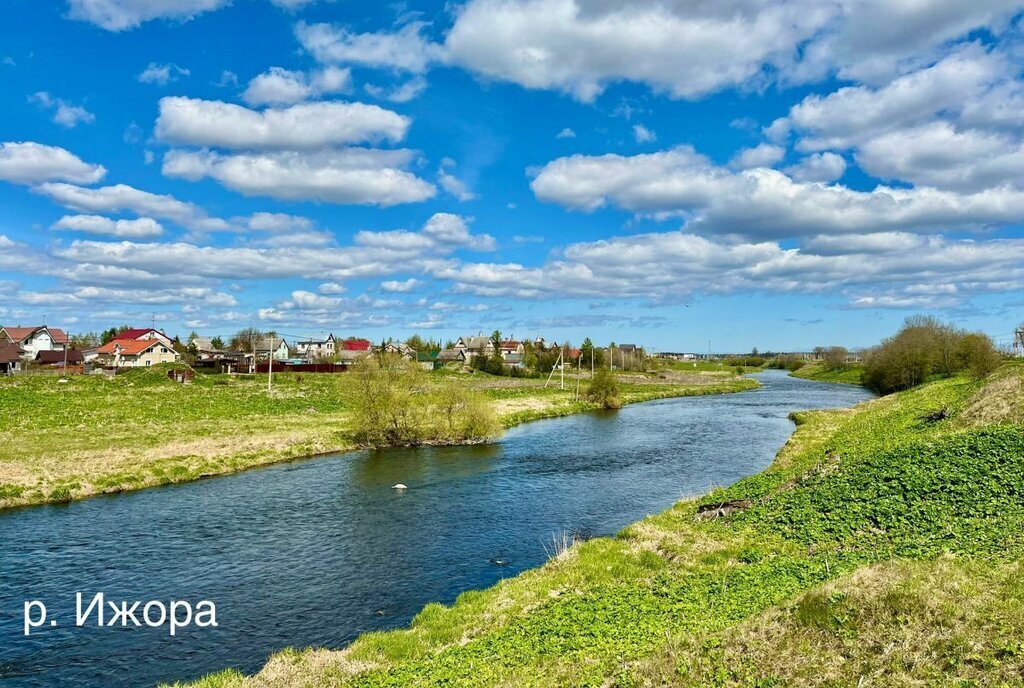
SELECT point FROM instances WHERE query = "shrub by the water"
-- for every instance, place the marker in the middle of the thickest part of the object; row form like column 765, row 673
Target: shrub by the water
column 396, row 405
column 604, row 390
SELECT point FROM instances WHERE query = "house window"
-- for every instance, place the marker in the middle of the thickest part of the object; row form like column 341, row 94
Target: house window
column 149, row 363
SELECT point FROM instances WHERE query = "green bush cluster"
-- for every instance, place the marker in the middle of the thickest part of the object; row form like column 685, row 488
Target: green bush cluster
column 396, row 404
column 926, row 348
column 604, row 389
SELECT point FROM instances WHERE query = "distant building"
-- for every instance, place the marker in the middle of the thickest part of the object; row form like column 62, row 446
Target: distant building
column 145, row 334
column 403, row 350
column 57, row 359
column 313, row 349
column 10, row 358
column 514, row 360
column 356, row 345
column 32, row 340
column 426, row 359
column 475, row 346
column 136, row 353
column 446, row 356
column 512, row 348
column 271, row 346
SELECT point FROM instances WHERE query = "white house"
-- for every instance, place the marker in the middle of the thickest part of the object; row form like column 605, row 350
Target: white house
column 32, row 340
column 314, row 349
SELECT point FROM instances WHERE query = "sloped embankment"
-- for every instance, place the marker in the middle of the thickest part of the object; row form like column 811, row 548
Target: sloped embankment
column 884, row 541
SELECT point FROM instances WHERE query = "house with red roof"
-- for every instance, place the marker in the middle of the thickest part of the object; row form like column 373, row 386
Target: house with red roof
column 511, row 348
column 136, row 353
column 32, row 340
column 356, row 345
column 144, row 334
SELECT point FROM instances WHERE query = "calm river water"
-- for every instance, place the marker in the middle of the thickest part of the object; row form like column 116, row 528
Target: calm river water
column 315, row 552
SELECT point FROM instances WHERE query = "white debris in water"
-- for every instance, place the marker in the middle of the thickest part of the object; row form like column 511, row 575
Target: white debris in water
column 399, row 486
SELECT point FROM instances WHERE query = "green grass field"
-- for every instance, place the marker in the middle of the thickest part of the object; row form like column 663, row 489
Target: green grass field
column 882, row 547
column 848, row 376
column 90, row 435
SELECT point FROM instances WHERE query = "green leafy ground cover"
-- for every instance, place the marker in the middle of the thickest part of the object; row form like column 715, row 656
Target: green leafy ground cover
column 847, row 376
column 90, row 435
column 883, row 547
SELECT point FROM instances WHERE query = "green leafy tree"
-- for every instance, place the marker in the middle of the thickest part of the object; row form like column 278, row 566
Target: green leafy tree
column 217, row 343
column 112, row 334
column 590, row 354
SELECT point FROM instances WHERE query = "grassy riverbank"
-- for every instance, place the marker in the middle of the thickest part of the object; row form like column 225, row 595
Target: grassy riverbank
column 850, row 375
column 882, row 547
column 90, row 435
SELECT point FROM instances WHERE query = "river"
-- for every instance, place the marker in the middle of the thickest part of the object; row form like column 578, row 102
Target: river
column 315, row 552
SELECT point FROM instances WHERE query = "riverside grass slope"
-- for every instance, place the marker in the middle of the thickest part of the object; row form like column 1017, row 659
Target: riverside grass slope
column 90, row 435
column 851, row 375
column 881, row 548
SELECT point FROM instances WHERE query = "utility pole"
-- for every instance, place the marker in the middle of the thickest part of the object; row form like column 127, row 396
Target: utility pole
column 579, row 374
column 552, row 373
column 270, row 365
column 561, row 367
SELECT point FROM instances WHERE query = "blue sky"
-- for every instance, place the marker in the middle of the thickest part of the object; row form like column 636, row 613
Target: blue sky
column 778, row 174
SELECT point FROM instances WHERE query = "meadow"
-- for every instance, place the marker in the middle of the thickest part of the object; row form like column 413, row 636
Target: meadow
column 66, row 439
column 882, row 547
column 850, row 375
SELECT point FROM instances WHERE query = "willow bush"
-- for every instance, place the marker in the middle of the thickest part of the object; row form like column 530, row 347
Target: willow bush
column 397, row 404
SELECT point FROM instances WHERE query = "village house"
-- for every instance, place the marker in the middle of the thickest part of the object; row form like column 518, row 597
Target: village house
column 356, row 345
column 145, row 334
column 32, row 340
column 136, row 353
column 446, row 356
column 475, row 346
column 10, row 358
column 209, row 356
column 57, row 359
column 402, row 349
column 272, row 346
column 312, row 350
column 514, row 360
column 511, row 348
column 205, row 350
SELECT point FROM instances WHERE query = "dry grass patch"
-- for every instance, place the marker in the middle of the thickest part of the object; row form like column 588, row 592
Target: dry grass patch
column 1000, row 400
column 942, row 622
